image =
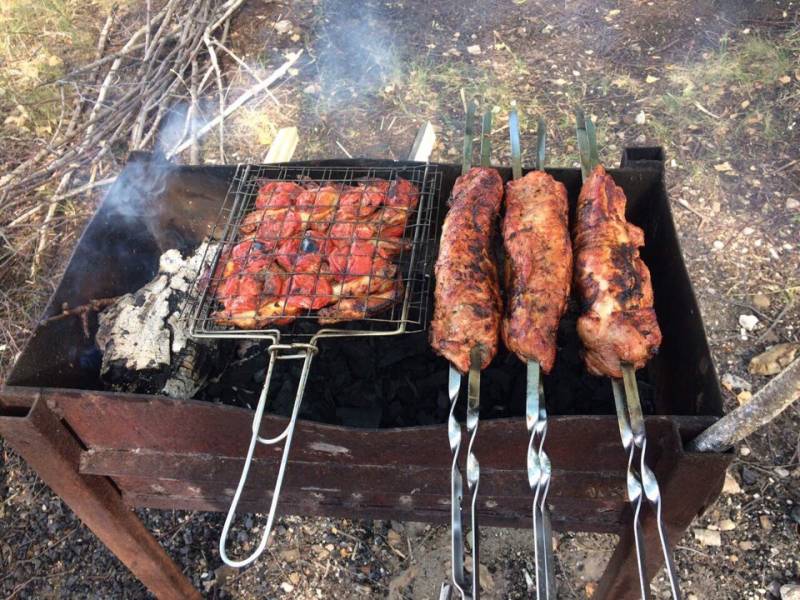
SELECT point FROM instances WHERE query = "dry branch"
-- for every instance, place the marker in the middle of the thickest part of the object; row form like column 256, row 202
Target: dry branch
column 237, row 104
column 768, row 403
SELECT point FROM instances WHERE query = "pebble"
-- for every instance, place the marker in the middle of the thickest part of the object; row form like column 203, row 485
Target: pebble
column 733, row 382
column 706, row 537
column 746, row 546
column 744, row 451
column 765, row 522
column 761, row 301
column 792, row 204
column 475, row 50
column 731, row 486
column 790, row 591
column 727, row 525
column 283, row 26
column 748, row 322
column 781, row 472
column 749, row 476
column 287, row 587
column 718, row 245
column 289, row 555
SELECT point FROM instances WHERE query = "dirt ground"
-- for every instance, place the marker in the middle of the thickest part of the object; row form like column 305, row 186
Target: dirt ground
column 717, row 84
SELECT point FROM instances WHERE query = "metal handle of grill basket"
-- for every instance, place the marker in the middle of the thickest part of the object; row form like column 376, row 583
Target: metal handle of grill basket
column 297, row 351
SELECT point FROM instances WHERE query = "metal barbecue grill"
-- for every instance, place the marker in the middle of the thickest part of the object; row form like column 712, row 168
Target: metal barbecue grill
column 406, row 312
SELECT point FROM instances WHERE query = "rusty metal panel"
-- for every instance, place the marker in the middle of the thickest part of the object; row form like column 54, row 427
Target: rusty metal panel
column 49, row 448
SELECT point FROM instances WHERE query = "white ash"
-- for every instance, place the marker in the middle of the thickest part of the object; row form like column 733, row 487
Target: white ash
column 145, row 343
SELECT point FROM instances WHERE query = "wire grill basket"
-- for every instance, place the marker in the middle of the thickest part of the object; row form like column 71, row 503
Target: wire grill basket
column 386, row 250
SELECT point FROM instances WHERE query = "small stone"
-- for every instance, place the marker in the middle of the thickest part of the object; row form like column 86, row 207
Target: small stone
column 761, row 301
column 790, row 591
column 289, row 555
column 727, row 525
column 781, row 472
column 312, row 88
column 734, row 383
column 394, row 538
column 744, row 451
column 746, row 546
column 641, row 118
column 475, row 50
column 283, row 26
column 718, row 245
column 792, row 204
column 766, row 523
column 731, row 486
column 707, row 537
column 294, row 578
column 748, row 322
column 692, row 596
column 287, row 587
column 749, row 476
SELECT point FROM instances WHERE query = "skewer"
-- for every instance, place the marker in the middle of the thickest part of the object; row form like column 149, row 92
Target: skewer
column 640, row 479
column 468, row 589
column 538, row 463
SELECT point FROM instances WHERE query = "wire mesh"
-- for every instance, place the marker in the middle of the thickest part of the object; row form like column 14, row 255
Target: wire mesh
column 304, row 252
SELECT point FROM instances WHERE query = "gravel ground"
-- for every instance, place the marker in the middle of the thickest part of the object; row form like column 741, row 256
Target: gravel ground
column 716, row 83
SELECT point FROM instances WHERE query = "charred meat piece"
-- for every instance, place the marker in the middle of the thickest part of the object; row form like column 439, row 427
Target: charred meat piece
column 468, row 306
column 272, row 231
column 619, row 323
column 352, row 309
column 242, row 294
column 317, row 206
column 278, row 194
column 538, row 268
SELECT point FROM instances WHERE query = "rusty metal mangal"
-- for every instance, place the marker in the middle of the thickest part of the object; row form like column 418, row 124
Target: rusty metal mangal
column 103, row 452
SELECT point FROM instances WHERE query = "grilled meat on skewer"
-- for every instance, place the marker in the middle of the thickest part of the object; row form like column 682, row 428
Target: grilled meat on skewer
column 467, row 300
column 619, row 324
column 538, row 266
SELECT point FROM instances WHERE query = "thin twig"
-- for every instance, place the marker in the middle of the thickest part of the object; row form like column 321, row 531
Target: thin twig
column 236, row 104
column 83, row 311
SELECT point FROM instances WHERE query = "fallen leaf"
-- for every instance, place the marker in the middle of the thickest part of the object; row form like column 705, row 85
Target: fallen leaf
column 785, row 79
column 723, row 167
column 651, row 79
column 474, row 50
column 641, row 118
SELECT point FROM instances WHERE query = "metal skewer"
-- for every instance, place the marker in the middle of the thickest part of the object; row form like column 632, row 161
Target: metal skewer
column 640, row 479
column 468, row 588
column 538, row 463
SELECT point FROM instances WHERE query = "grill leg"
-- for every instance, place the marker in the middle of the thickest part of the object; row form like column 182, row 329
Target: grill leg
column 688, row 486
column 40, row 437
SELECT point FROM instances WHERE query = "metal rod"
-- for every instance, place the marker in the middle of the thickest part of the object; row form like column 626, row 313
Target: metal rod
column 648, row 479
column 469, row 132
column 286, row 434
column 516, row 150
column 473, row 467
column 486, row 142
column 538, row 463
column 541, row 144
column 456, row 487
column 633, row 484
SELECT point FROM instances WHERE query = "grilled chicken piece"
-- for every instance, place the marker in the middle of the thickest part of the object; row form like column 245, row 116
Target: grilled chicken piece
column 619, row 324
column 467, row 299
column 277, row 194
column 538, row 268
column 352, row 309
column 294, row 233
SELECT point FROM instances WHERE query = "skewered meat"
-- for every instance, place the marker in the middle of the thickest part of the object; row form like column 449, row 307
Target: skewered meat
column 538, row 266
column 619, row 324
column 467, row 297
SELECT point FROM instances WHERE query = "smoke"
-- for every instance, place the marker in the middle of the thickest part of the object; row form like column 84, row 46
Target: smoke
column 356, row 51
